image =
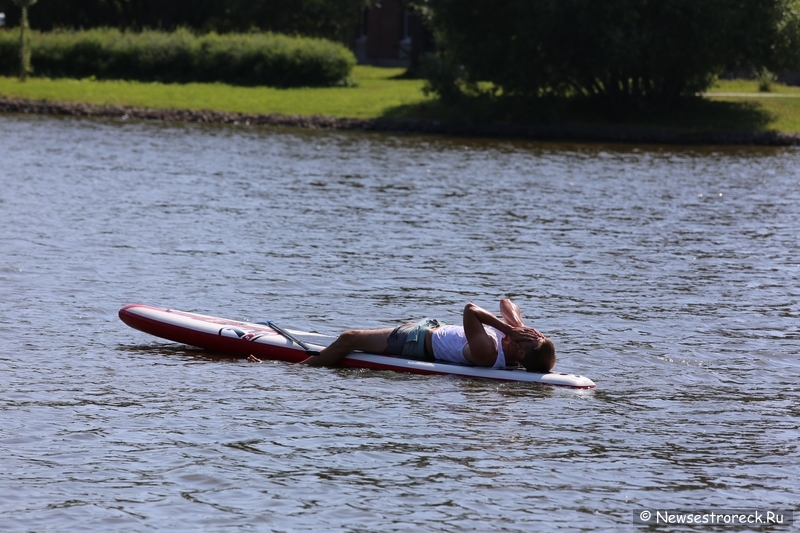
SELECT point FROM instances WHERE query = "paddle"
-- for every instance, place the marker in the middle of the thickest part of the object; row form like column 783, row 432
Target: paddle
column 276, row 327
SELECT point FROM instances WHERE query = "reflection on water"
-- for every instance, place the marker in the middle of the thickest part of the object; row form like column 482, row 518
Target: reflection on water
column 667, row 275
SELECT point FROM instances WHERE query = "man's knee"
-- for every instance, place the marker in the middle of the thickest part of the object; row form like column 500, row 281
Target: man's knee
column 350, row 337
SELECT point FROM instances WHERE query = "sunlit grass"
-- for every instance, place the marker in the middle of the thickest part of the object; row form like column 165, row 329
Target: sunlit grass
column 750, row 86
column 784, row 113
column 377, row 90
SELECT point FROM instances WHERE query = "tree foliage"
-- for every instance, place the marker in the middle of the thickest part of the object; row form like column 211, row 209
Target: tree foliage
column 619, row 51
column 330, row 19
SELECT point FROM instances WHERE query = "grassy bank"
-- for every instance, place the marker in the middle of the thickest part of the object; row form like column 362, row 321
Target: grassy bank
column 381, row 92
column 375, row 95
column 751, row 87
column 780, row 106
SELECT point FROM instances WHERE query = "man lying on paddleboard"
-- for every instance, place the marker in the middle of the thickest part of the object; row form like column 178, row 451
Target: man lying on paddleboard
column 483, row 340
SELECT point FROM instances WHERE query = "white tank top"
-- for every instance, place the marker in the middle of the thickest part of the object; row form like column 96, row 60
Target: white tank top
column 449, row 341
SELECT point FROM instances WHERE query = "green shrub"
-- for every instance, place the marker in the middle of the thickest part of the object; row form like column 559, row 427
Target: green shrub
column 442, row 77
column 182, row 57
column 622, row 53
column 765, row 80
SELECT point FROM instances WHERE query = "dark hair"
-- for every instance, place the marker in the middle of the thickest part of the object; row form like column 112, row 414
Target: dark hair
column 541, row 359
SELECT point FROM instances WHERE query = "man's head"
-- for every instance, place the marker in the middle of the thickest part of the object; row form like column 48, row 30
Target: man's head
column 540, row 356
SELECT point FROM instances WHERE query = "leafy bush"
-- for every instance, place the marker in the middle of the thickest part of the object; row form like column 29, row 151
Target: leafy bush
column 620, row 52
column 442, row 77
column 181, row 56
column 765, row 79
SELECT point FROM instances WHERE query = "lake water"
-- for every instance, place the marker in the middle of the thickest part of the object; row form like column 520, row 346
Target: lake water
column 668, row 275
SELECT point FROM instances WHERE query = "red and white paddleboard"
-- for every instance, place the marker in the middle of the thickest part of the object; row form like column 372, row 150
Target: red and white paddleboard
column 241, row 339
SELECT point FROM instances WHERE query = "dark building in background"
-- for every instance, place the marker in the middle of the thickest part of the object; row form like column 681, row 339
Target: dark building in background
column 390, row 35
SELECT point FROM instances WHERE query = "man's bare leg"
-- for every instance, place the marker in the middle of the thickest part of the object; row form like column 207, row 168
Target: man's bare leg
column 368, row 340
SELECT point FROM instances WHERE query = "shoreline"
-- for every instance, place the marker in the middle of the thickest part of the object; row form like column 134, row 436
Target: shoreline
column 574, row 133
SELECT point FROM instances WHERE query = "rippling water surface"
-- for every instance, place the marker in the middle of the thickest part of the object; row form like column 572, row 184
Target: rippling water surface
column 668, row 275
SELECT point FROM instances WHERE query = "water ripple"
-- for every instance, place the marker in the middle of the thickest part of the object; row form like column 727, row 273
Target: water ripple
column 668, row 275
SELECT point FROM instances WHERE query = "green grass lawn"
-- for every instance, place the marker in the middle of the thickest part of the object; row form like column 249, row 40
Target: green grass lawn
column 378, row 90
column 750, row 86
column 383, row 92
column 782, row 113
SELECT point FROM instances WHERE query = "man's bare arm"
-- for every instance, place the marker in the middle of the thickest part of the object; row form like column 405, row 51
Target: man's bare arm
column 511, row 313
column 481, row 349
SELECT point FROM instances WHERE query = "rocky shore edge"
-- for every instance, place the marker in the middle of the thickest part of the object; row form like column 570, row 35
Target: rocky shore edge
column 574, row 133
